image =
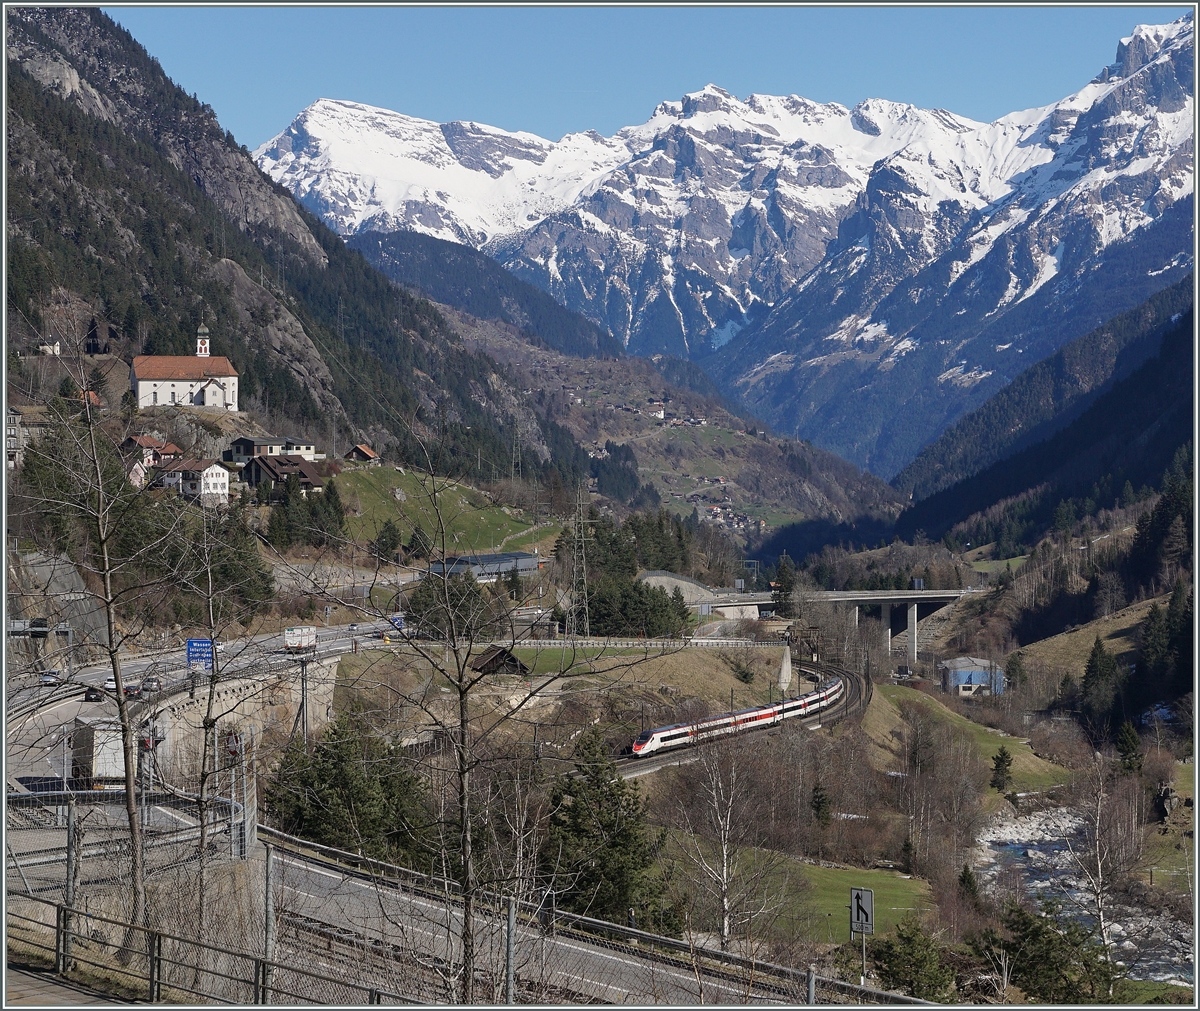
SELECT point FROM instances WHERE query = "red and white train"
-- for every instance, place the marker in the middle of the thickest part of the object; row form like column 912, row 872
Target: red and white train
column 827, row 694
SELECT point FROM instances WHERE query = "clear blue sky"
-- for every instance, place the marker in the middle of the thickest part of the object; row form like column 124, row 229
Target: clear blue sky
column 553, row 71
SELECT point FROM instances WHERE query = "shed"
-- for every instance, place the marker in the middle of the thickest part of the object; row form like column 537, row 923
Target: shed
column 499, row 660
column 969, row 675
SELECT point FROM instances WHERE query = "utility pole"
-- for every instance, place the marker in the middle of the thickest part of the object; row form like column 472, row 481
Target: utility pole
column 268, row 926
column 577, row 616
column 510, row 964
column 69, row 888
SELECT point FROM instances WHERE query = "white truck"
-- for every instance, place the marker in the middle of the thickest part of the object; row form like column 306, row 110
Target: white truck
column 97, row 757
column 300, row 639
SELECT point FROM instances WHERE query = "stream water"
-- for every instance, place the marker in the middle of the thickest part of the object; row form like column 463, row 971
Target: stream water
column 1151, row 942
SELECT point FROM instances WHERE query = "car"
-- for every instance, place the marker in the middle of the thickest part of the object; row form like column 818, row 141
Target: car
column 151, row 684
column 353, row 626
column 111, row 684
column 93, row 694
column 133, row 691
column 51, row 677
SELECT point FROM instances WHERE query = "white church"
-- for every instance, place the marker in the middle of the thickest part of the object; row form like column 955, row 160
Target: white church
column 199, row 381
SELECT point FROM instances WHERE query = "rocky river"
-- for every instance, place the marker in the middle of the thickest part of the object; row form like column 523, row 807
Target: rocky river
column 1035, row 850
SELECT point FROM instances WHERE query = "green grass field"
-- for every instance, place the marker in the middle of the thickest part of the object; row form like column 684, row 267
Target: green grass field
column 895, row 896
column 473, row 524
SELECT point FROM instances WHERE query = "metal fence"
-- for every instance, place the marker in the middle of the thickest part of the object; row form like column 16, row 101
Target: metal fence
column 129, row 960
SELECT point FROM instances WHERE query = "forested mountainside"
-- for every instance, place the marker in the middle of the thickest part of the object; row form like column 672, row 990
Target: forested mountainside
column 1047, row 396
column 1125, row 440
column 457, row 275
column 129, row 204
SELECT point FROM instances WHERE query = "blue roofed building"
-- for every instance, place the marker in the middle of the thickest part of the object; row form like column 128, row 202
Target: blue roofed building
column 488, row 568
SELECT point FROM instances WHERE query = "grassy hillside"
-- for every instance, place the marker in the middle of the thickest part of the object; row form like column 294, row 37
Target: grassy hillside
column 883, row 716
column 473, row 524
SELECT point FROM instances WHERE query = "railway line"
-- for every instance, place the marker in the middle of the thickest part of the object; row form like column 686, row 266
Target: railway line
column 855, row 696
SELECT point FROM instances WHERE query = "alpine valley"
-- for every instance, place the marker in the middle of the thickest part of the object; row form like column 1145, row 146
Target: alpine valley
column 857, row 277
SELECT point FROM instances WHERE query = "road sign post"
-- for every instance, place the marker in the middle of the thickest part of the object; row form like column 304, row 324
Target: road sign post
column 862, row 920
column 200, row 652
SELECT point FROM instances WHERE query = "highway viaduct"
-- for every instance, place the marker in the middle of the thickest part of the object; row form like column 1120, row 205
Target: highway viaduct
column 899, row 609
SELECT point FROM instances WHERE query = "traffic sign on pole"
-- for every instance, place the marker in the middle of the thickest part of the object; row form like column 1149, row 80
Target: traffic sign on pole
column 200, row 651
column 862, row 911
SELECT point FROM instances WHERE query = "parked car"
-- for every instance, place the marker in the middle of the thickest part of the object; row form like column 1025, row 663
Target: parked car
column 151, row 684
column 51, row 677
column 133, row 691
column 111, row 684
column 93, row 694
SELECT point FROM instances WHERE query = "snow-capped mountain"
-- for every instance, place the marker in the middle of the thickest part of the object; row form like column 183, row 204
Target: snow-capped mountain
column 929, row 301
column 826, row 239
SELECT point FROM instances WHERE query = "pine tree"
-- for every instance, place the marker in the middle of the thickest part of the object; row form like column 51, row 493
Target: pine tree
column 968, row 885
column 911, row 962
column 1129, row 747
column 599, row 846
column 387, row 541
column 821, row 808
column 785, row 586
column 1100, row 685
column 1001, row 770
column 1014, row 670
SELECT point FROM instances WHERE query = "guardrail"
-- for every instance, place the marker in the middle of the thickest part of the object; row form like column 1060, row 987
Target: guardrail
column 588, row 928
column 166, row 967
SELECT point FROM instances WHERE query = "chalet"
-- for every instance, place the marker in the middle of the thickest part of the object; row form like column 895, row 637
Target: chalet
column 302, row 447
column 243, row 450
column 277, row 469
column 203, row 480
column 152, row 452
column 196, row 381
column 362, row 453
column 498, row 660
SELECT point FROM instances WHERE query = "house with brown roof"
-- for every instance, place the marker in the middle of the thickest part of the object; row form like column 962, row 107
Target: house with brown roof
column 362, row 453
column 153, row 452
column 499, row 660
column 277, row 469
column 200, row 380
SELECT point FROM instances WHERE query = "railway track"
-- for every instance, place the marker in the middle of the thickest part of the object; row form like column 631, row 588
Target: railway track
column 855, row 698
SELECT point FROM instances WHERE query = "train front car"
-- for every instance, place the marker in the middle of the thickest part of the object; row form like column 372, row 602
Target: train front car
column 646, row 743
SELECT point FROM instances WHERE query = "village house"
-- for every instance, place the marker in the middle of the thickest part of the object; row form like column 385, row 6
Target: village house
column 26, row 424
column 362, row 453
column 203, row 480
column 499, row 660
column 277, row 469
column 151, row 451
column 195, row 381
column 302, row 447
column 244, row 449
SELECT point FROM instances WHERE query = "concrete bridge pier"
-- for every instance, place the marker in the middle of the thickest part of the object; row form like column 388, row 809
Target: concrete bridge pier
column 912, row 636
column 887, row 629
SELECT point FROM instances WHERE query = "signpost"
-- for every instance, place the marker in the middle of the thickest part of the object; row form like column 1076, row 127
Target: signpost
column 200, row 651
column 862, row 921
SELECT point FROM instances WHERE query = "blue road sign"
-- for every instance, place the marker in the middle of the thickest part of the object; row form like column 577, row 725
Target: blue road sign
column 200, row 651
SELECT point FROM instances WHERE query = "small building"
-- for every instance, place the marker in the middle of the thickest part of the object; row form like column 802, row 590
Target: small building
column 26, row 424
column 244, row 449
column 152, row 452
column 362, row 453
column 969, row 675
column 203, row 480
column 195, row 381
column 499, row 660
column 277, row 469
column 489, row 568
